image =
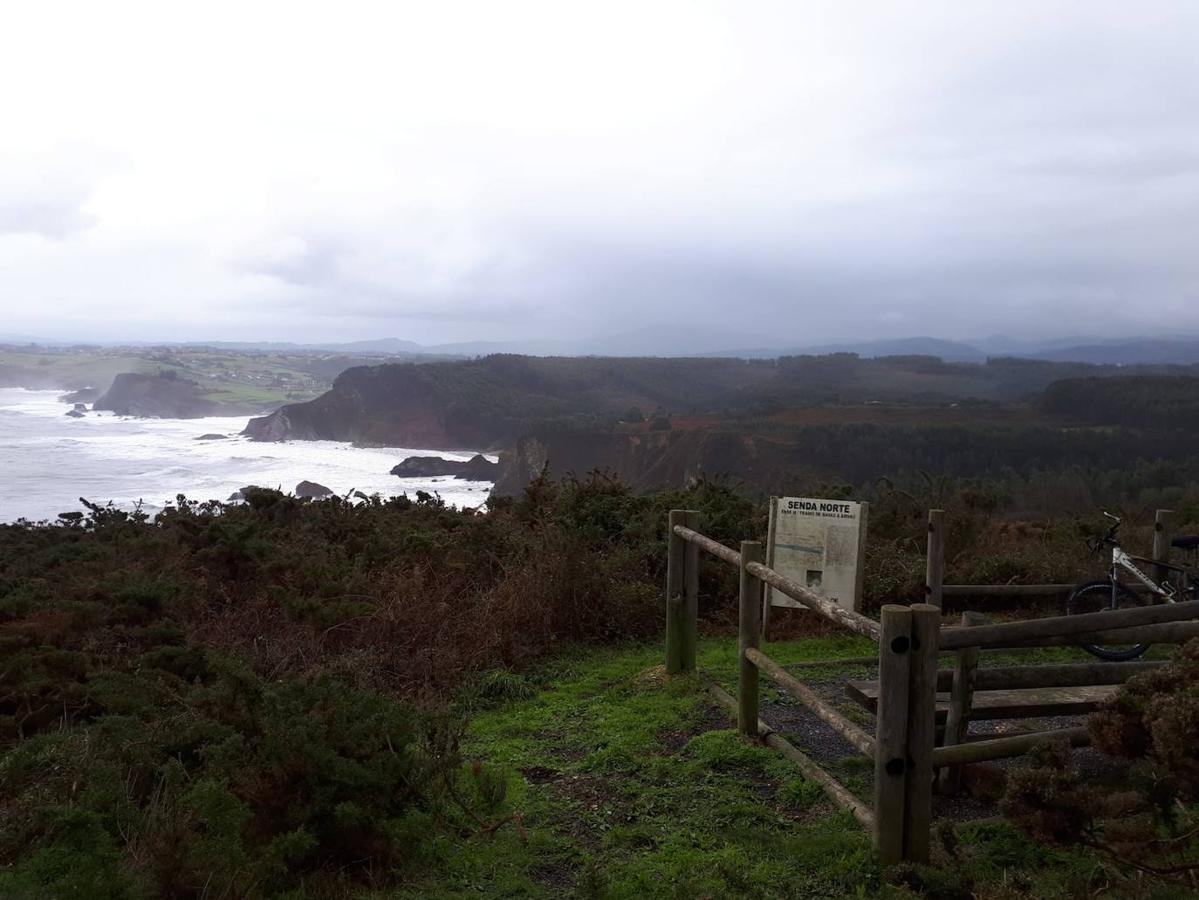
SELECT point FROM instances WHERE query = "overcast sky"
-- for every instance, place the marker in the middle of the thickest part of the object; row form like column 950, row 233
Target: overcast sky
column 438, row 171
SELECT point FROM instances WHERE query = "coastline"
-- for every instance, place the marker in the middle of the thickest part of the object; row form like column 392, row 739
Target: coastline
column 51, row 460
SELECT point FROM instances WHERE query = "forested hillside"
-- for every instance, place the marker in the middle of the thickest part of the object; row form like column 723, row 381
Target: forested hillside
column 1086, row 435
column 1162, row 402
column 494, row 400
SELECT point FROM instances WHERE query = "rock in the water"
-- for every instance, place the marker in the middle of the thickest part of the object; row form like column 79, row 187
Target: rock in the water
column 312, row 489
column 74, row 414
column 80, row 407
column 211, row 437
column 477, row 468
column 241, row 494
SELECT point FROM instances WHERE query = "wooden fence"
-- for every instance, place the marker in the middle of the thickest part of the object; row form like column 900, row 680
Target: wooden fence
column 935, row 589
column 908, row 763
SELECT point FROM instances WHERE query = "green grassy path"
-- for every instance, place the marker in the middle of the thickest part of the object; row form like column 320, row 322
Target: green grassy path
column 632, row 785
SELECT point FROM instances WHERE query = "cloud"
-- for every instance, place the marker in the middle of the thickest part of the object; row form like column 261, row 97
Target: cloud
column 45, row 216
column 466, row 170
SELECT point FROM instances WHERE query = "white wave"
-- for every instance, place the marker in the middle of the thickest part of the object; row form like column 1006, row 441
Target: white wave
column 48, row 460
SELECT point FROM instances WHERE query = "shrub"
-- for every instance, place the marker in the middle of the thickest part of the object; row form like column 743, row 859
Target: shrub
column 1148, row 823
column 203, row 779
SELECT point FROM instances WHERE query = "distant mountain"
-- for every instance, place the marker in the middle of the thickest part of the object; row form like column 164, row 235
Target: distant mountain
column 664, row 342
column 523, row 348
column 1134, row 351
column 950, row 351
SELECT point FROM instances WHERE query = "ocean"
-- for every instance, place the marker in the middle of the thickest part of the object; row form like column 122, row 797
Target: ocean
column 49, row 460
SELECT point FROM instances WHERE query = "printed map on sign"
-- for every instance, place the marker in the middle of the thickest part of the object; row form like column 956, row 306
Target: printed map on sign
column 820, row 544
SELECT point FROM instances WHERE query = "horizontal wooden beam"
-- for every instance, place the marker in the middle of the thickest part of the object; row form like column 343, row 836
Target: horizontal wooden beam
column 717, row 549
column 1004, row 747
column 1004, row 590
column 1082, row 626
column 836, row 791
column 1020, row 703
column 830, row 610
column 847, row 619
column 1071, row 675
column 809, row 698
column 1018, row 590
column 1162, row 633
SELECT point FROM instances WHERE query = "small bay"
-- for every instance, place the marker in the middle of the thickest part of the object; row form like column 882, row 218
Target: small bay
column 48, row 460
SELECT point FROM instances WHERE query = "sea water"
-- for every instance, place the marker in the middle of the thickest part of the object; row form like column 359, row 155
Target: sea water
column 49, row 460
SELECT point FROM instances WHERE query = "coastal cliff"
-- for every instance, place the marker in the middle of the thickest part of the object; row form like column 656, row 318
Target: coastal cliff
column 661, row 422
column 161, row 396
column 644, row 460
column 393, row 405
column 490, row 402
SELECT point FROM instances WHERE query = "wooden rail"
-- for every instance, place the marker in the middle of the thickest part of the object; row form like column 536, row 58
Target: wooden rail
column 907, row 763
column 1006, row 678
column 855, row 622
column 1002, row 747
column 805, row 695
column 1163, row 531
column 1164, row 633
column 717, row 549
column 836, row 791
column 846, row 618
column 1084, row 627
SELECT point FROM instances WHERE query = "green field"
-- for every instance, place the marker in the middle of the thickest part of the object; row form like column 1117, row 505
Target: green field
column 238, row 379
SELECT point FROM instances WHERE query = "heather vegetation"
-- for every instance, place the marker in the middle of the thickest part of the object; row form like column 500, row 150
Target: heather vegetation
column 296, row 698
column 248, row 700
column 1142, row 819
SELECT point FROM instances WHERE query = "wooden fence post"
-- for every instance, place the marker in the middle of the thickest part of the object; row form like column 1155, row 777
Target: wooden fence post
column 1163, row 533
column 961, row 704
column 682, row 593
column 676, row 550
column 891, row 732
column 748, row 635
column 922, row 731
column 934, row 569
column 691, row 519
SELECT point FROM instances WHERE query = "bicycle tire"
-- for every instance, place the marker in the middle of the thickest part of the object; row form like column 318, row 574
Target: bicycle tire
column 1095, row 596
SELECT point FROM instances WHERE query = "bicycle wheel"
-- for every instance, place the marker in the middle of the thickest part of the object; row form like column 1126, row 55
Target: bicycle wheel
column 1096, row 596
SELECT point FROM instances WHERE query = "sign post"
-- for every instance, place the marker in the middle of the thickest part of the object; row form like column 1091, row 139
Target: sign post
column 820, row 544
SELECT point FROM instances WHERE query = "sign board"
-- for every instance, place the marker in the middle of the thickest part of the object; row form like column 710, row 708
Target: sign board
column 820, row 544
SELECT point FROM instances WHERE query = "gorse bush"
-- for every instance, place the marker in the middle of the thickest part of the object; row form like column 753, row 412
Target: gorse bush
column 243, row 701
column 1145, row 823
column 221, row 786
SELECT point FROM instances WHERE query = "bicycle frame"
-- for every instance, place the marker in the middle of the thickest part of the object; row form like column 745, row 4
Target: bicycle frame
column 1122, row 560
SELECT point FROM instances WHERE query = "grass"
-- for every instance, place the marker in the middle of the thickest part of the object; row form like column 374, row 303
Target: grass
column 630, row 784
column 234, row 379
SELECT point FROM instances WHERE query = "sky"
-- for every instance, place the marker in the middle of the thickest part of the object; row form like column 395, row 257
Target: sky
column 791, row 172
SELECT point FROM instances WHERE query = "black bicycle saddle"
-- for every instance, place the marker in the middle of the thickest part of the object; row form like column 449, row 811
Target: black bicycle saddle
column 1186, row 541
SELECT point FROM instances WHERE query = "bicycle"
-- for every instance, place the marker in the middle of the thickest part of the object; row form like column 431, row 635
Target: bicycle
column 1112, row 593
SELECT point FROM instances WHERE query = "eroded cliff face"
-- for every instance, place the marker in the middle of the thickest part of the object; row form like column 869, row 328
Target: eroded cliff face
column 383, row 406
column 645, row 460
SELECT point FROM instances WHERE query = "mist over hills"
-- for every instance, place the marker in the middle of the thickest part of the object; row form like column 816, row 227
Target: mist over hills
column 700, row 343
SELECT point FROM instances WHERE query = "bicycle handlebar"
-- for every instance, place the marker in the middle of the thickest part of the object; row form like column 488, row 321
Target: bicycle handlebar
column 1109, row 537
